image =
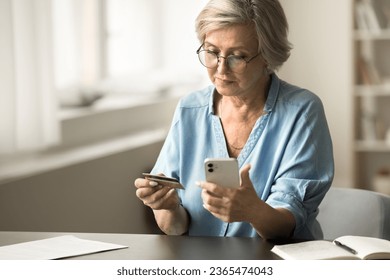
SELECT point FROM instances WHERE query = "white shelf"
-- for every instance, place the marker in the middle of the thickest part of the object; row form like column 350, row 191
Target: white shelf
column 372, row 35
column 373, row 90
column 372, row 146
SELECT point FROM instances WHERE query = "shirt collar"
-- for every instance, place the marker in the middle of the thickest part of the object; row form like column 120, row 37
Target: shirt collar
column 273, row 93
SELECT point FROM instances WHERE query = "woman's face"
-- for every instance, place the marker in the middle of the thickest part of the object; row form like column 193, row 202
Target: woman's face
column 236, row 40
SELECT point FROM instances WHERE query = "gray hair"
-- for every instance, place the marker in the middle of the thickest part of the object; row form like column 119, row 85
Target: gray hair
column 267, row 16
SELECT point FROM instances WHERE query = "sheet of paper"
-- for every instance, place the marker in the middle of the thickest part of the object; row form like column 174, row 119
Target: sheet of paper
column 55, row 248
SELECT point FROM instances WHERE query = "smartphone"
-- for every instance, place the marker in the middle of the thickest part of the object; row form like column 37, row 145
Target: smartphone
column 222, row 171
column 164, row 181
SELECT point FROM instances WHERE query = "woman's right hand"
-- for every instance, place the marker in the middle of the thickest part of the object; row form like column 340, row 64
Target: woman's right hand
column 156, row 196
column 170, row 217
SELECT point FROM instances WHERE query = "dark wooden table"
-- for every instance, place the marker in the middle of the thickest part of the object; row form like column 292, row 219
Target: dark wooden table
column 161, row 247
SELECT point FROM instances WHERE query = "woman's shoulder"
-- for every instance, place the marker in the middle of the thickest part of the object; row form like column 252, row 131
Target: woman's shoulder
column 196, row 99
column 298, row 96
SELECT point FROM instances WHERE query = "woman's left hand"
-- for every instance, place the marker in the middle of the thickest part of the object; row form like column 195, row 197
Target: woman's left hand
column 231, row 204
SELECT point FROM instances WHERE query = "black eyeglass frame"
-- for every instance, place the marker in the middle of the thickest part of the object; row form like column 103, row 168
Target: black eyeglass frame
column 199, row 50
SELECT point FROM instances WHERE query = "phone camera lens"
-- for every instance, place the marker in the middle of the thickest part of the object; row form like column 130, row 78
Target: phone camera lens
column 210, row 165
column 211, row 170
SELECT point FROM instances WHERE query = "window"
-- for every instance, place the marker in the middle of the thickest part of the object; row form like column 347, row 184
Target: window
column 126, row 45
column 82, row 48
column 132, row 37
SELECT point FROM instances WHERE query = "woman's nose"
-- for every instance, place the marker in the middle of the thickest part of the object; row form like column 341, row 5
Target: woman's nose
column 222, row 66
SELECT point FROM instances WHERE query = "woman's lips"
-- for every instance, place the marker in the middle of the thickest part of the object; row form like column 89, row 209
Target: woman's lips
column 223, row 81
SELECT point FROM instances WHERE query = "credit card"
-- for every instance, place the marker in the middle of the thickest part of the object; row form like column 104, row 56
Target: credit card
column 164, row 181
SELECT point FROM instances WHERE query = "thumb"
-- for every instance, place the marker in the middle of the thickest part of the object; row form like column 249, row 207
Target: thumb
column 244, row 173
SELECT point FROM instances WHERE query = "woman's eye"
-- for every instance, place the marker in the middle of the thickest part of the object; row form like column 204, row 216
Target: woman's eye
column 237, row 57
column 240, row 55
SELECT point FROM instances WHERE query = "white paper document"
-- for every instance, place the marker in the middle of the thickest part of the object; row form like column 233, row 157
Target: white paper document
column 55, row 248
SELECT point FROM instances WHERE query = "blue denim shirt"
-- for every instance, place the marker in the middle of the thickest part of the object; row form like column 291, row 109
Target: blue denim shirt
column 289, row 149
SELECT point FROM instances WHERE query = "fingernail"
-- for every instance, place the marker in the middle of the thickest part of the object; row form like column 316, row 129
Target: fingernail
column 153, row 184
column 198, row 183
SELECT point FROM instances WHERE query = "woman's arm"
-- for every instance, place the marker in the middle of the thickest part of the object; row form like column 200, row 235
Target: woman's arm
column 170, row 216
column 271, row 223
column 172, row 222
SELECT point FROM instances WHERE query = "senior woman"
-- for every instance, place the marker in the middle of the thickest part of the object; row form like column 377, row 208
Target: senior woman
column 278, row 133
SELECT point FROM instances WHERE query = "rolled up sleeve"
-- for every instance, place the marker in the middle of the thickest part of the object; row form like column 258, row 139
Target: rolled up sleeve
column 301, row 197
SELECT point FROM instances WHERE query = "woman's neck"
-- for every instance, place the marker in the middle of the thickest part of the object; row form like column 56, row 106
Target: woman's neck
column 243, row 107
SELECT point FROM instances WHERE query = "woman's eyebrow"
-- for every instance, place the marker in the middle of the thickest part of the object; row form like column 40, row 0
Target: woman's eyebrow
column 236, row 48
column 207, row 44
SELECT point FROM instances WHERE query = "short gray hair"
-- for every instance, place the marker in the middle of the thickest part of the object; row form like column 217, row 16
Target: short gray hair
column 267, row 16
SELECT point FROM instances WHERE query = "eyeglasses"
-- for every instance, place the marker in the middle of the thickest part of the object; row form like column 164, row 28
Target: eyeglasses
column 210, row 59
